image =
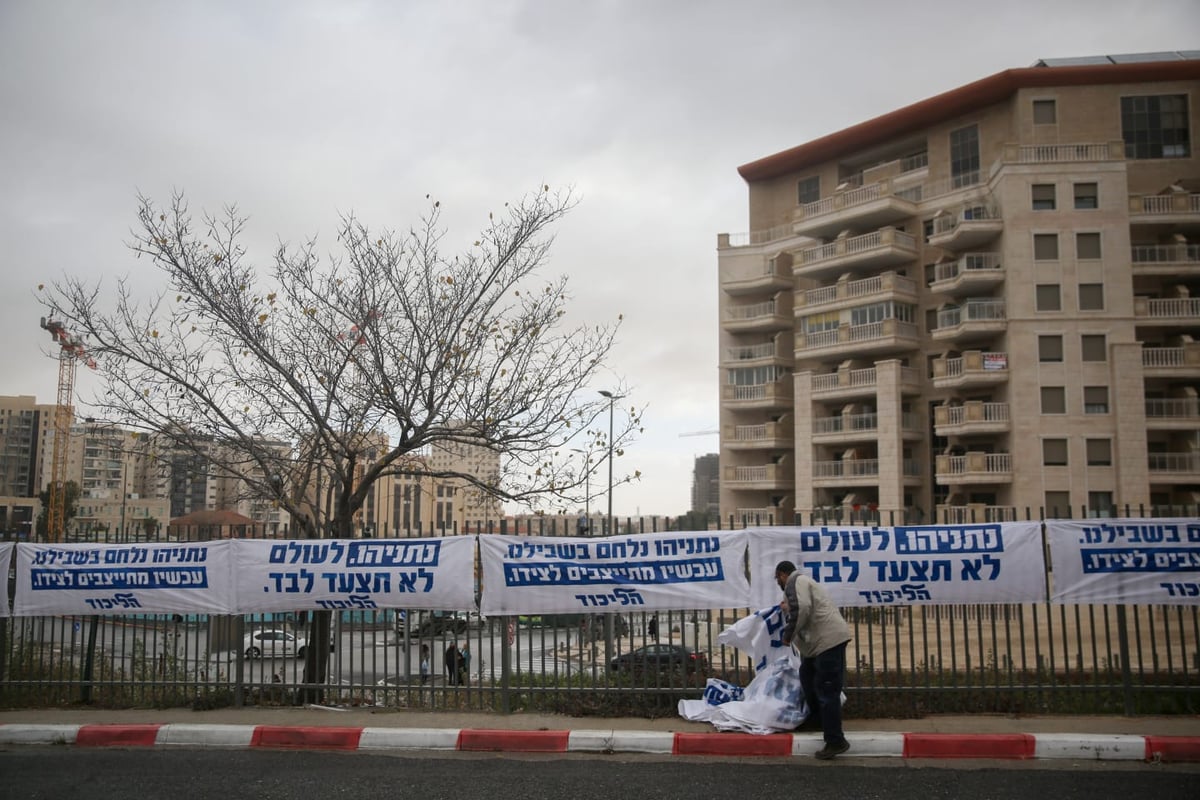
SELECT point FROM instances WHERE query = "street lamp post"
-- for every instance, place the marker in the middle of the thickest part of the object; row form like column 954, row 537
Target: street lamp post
column 585, row 525
column 608, row 618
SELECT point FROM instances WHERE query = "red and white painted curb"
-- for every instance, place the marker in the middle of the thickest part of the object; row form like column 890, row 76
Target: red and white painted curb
column 1098, row 747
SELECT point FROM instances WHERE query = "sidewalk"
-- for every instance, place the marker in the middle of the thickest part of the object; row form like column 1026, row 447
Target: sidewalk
column 1166, row 738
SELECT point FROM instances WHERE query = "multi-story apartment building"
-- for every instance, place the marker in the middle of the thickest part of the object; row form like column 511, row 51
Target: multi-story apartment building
column 706, row 485
column 457, row 499
column 985, row 301
column 24, row 427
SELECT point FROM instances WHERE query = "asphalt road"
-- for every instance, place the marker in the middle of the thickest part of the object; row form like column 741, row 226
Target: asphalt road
column 40, row 772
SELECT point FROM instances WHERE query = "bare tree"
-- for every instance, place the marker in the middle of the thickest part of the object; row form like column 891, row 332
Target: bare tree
column 328, row 355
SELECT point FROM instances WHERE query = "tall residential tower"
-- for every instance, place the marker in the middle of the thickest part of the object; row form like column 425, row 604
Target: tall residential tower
column 985, row 301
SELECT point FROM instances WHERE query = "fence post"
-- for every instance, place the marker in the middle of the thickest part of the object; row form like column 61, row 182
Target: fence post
column 506, row 666
column 1126, row 674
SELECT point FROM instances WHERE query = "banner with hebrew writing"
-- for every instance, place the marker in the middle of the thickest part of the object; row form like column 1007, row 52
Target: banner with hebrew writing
column 166, row 578
column 1127, row 561
column 306, row 574
column 646, row 572
column 905, row 565
column 6, row 549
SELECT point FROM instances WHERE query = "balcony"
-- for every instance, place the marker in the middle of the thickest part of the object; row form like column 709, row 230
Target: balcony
column 975, row 512
column 849, row 383
column 1174, row 467
column 766, row 515
column 1063, row 153
column 1167, row 311
column 846, row 428
column 973, row 320
column 974, row 468
column 1172, row 209
column 1171, row 362
column 763, row 436
column 874, row 338
column 775, row 351
column 870, row 252
column 972, row 369
column 861, row 471
column 758, row 477
column 972, row 417
column 777, row 394
column 776, row 275
column 973, row 273
column 764, row 317
column 864, row 207
column 1173, row 413
column 971, row 226
column 888, row 286
column 1166, row 259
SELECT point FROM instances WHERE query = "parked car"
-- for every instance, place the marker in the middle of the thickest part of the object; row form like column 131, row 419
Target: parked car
column 660, row 658
column 274, row 643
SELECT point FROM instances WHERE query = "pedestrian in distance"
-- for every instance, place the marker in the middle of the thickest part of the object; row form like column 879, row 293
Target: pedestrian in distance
column 424, row 663
column 464, row 660
column 652, row 628
column 452, row 664
column 817, row 629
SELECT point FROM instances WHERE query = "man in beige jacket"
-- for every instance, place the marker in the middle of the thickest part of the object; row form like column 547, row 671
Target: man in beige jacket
column 818, row 630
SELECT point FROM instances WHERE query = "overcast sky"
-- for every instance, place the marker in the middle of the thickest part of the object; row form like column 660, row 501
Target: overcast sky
column 301, row 111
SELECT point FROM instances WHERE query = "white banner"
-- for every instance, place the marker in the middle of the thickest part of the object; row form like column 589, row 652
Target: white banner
column 644, row 572
column 905, row 565
column 1135, row 561
column 6, row 549
column 306, row 574
column 167, row 578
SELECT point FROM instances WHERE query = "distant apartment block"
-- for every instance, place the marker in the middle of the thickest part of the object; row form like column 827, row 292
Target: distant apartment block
column 706, row 485
column 986, row 301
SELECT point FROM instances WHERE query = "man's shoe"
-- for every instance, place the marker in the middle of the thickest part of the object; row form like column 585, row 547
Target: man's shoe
column 830, row 750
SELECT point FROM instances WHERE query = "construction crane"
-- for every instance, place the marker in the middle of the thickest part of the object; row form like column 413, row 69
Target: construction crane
column 70, row 353
column 699, row 433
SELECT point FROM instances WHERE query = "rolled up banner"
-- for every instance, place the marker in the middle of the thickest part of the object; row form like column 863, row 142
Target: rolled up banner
column 6, row 551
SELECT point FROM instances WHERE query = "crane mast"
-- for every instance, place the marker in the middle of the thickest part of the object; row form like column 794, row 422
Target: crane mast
column 70, row 350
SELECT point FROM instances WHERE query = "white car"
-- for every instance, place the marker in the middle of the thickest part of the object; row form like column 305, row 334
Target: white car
column 274, row 643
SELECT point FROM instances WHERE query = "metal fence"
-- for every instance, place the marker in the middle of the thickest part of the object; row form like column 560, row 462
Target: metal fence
column 905, row 661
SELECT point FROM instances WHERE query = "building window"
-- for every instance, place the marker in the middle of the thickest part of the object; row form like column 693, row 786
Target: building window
column 1095, row 399
column 964, row 156
column 1093, row 347
column 1087, row 246
column 1091, row 297
column 1050, row 348
column 1087, row 195
column 1045, row 246
column 1049, row 298
column 1155, row 126
column 1044, row 112
column 1100, row 503
column 1043, row 196
column 1054, row 452
column 1054, row 400
column 1099, row 452
column 1058, row 505
column 808, row 190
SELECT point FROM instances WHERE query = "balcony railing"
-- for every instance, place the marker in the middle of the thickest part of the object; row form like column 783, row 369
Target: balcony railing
column 855, row 245
column 762, row 432
column 1171, row 357
column 767, row 308
column 850, row 290
column 1166, row 307
column 981, row 212
column 1173, row 408
column 1059, row 153
column 857, row 334
column 975, row 464
column 849, row 468
column 750, row 352
column 1175, row 462
column 972, row 412
column 1164, row 204
column 971, row 311
column 1166, row 253
column 846, row 423
column 970, row 263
